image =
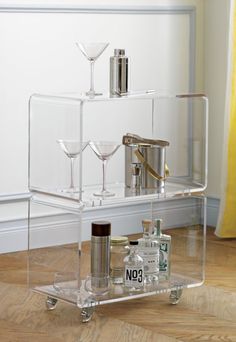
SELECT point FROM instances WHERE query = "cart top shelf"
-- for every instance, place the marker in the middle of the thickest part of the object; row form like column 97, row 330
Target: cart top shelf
column 142, row 95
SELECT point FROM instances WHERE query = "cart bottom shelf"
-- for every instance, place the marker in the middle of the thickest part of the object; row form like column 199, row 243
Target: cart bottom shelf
column 81, row 297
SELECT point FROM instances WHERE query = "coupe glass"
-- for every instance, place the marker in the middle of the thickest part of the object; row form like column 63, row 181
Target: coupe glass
column 92, row 51
column 104, row 150
column 72, row 149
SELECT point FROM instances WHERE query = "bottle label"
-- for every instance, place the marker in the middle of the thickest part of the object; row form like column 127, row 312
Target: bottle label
column 164, row 257
column 151, row 259
column 134, row 276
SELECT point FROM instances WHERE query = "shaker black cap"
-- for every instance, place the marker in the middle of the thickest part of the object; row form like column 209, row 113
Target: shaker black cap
column 101, row 228
column 133, row 242
column 119, row 52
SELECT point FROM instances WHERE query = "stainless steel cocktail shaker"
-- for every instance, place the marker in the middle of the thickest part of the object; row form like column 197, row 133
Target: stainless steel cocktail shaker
column 100, row 256
column 119, row 73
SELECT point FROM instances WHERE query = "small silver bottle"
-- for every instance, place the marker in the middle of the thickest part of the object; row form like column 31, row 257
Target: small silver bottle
column 119, row 73
column 100, row 255
column 136, row 177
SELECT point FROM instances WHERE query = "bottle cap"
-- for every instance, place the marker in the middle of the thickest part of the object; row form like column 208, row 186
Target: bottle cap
column 158, row 226
column 119, row 52
column 101, row 228
column 119, row 240
column 147, row 226
column 133, row 242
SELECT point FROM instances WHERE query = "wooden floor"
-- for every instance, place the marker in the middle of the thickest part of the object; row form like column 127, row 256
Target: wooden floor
column 207, row 313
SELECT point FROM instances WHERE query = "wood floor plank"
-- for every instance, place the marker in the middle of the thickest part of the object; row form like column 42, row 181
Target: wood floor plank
column 217, row 302
column 27, row 311
column 12, row 332
column 181, row 321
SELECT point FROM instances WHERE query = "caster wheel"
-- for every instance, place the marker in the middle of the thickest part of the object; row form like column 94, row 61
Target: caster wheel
column 175, row 296
column 86, row 314
column 88, row 310
column 51, row 303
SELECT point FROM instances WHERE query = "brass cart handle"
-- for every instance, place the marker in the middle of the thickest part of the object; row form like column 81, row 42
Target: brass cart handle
column 148, row 167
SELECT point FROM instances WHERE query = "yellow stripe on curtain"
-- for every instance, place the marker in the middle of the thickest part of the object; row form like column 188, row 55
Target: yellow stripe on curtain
column 227, row 223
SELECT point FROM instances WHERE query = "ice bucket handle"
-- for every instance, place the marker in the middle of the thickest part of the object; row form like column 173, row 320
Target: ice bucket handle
column 149, row 169
column 134, row 139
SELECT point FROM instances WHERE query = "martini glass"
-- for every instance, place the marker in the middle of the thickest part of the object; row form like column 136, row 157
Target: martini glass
column 92, row 51
column 104, row 150
column 72, row 149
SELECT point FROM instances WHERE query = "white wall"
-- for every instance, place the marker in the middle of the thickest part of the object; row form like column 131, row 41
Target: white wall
column 74, row 3
column 48, row 44
column 216, row 23
column 212, row 28
column 37, row 56
column 211, row 65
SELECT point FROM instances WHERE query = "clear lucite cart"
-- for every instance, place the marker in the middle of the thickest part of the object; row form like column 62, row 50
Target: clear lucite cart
column 65, row 175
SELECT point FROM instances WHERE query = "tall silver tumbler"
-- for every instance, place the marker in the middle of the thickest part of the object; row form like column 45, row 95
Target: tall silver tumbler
column 100, row 256
column 119, row 73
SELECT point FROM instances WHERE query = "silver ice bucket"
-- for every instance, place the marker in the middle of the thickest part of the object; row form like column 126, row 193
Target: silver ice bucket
column 145, row 162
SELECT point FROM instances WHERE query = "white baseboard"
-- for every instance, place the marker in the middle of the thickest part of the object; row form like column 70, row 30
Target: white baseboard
column 62, row 229
column 213, row 205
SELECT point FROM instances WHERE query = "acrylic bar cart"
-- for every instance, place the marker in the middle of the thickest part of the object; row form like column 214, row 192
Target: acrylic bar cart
column 65, row 176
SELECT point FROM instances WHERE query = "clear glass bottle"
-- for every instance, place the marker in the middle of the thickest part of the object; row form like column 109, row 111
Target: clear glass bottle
column 134, row 269
column 149, row 251
column 165, row 250
column 119, row 250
